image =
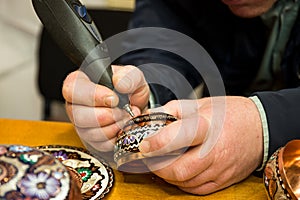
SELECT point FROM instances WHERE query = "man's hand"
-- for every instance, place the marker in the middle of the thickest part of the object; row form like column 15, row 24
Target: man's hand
column 236, row 152
column 92, row 108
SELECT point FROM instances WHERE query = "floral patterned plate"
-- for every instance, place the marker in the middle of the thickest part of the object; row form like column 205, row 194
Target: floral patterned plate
column 94, row 175
column 29, row 173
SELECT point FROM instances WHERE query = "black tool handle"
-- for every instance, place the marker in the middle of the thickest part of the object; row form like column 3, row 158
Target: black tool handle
column 73, row 29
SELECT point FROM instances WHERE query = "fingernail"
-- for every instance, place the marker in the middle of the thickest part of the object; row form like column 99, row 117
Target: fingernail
column 110, row 100
column 144, row 147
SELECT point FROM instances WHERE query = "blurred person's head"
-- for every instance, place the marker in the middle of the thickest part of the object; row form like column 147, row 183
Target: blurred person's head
column 249, row 8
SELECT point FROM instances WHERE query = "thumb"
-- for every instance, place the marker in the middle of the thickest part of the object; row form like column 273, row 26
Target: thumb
column 130, row 80
column 179, row 108
column 175, row 137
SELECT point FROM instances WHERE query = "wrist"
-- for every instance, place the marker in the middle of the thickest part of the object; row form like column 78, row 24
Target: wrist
column 265, row 131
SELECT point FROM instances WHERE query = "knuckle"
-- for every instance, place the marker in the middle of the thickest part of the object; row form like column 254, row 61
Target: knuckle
column 179, row 173
column 102, row 118
column 79, row 118
column 99, row 136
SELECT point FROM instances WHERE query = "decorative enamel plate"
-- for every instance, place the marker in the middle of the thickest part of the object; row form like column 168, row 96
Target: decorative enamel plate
column 29, row 173
column 94, row 175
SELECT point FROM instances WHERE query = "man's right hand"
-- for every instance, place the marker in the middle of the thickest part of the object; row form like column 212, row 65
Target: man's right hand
column 93, row 110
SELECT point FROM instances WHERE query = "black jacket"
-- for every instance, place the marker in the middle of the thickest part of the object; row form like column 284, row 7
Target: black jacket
column 235, row 44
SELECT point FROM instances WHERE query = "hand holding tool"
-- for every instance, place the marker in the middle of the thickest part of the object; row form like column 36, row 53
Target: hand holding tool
column 73, row 29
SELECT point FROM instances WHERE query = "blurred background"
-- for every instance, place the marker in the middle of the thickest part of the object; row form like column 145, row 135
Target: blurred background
column 20, row 97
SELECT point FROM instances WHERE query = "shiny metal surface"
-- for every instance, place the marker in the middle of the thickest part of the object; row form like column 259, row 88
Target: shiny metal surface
column 126, row 154
column 282, row 173
column 291, row 167
column 128, row 109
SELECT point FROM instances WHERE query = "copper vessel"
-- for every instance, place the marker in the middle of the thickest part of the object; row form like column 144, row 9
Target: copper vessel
column 282, row 173
column 127, row 154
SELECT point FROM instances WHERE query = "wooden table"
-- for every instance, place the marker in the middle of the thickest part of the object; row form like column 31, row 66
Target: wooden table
column 35, row 133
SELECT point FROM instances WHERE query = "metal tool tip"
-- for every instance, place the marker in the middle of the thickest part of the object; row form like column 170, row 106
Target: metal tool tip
column 127, row 108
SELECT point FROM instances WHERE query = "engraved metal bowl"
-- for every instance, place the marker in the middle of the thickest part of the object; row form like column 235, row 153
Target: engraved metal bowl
column 282, row 173
column 126, row 154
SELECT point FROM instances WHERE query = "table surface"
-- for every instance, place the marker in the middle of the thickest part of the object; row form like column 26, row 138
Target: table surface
column 35, row 133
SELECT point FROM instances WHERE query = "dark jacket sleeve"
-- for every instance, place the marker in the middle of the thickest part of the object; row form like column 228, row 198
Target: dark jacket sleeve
column 164, row 71
column 283, row 107
column 283, row 115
